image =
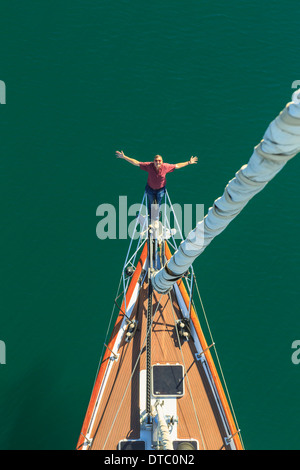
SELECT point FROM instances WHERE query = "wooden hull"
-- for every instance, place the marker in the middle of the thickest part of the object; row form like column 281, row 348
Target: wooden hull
column 116, row 410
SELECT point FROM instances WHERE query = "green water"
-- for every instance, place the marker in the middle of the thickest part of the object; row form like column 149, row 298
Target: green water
column 86, row 78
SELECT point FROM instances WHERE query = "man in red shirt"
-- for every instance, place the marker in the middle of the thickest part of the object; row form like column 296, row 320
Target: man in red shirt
column 157, row 170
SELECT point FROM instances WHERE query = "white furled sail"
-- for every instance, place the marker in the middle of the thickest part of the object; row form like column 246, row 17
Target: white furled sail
column 280, row 143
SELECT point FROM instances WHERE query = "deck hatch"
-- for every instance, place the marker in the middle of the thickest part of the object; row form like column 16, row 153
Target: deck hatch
column 167, row 380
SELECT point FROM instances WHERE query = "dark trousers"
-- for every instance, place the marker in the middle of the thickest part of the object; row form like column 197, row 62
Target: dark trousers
column 158, row 194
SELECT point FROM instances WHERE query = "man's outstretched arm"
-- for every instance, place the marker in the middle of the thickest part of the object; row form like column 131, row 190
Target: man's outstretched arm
column 191, row 161
column 130, row 160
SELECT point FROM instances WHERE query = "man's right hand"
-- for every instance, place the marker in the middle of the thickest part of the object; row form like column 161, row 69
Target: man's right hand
column 120, row 154
column 127, row 159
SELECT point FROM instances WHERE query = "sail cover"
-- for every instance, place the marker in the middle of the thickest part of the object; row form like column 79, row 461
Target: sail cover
column 280, row 143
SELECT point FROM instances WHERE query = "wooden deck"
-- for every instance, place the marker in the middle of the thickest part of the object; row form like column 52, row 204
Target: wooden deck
column 118, row 414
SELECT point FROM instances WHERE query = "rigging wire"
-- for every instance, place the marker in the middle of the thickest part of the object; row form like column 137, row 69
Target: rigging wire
column 188, row 382
column 205, row 316
column 135, row 366
column 218, row 360
column 139, row 246
column 108, row 328
column 127, row 261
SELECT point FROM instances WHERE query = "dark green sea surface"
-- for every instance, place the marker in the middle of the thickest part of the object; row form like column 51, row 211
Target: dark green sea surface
column 84, row 79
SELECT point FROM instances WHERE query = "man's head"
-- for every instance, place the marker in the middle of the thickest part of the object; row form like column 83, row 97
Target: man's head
column 158, row 161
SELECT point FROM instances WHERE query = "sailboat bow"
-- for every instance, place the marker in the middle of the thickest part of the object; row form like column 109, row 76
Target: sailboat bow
column 159, row 384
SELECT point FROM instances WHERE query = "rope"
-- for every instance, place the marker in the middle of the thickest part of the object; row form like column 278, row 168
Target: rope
column 148, row 352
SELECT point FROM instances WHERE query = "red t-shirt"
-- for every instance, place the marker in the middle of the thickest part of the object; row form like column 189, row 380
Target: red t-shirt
column 157, row 179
